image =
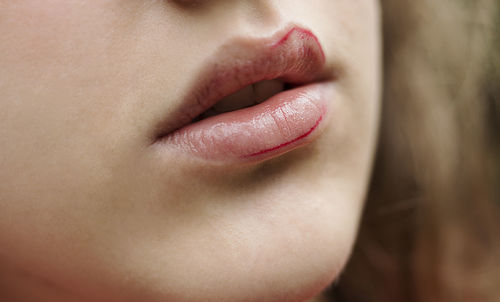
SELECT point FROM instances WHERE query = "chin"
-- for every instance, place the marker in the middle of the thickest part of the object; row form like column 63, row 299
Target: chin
column 259, row 255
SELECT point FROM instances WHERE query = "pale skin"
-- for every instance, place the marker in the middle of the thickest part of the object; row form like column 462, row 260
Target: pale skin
column 89, row 213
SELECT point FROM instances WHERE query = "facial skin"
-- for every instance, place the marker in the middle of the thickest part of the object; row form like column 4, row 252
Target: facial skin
column 89, row 211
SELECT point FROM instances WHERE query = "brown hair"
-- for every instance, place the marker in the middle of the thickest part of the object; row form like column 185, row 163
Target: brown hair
column 431, row 227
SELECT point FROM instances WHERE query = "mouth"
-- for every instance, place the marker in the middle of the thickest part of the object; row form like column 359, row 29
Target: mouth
column 254, row 100
column 248, row 96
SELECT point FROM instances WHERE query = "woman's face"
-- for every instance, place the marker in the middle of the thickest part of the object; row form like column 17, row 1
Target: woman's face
column 110, row 191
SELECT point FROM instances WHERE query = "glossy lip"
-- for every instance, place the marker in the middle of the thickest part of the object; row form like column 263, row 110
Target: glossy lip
column 287, row 143
column 293, row 55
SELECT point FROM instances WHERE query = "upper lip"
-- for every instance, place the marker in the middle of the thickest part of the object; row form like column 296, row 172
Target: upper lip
column 293, row 54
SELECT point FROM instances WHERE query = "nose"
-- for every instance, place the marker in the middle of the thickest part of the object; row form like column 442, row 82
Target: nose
column 252, row 16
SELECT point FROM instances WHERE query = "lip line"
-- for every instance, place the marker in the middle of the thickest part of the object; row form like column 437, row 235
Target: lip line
column 303, row 31
column 300, row 137
column 220, row 78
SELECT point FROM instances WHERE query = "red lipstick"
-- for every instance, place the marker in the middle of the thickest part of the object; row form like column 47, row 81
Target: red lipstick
column 283, row 122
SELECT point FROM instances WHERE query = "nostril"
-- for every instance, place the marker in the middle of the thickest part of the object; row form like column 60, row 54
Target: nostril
column 188, row 3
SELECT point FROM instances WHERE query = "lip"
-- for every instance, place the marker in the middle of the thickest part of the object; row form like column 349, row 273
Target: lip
column 285, row 121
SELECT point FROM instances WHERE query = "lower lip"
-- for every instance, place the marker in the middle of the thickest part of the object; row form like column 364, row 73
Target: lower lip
column 284, row 122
